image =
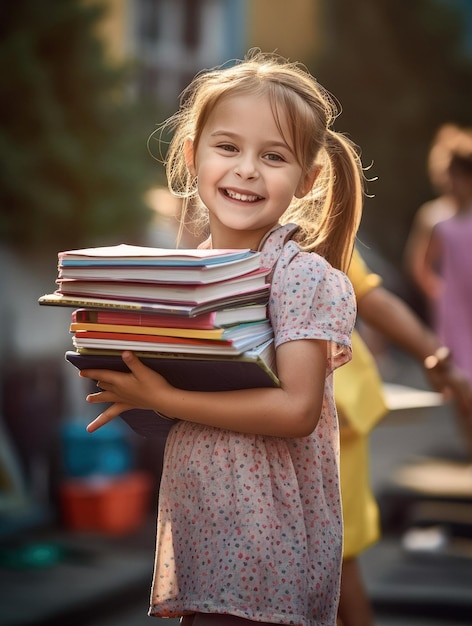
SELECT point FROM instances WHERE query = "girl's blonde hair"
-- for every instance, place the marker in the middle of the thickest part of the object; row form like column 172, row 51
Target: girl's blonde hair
column 330, row 213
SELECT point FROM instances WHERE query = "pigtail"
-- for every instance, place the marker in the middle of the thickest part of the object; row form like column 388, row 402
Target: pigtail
column 341, row 214
column 329, row 215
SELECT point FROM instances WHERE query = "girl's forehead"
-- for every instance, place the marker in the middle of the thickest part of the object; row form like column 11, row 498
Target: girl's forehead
column 242, row 108
column 240, row 100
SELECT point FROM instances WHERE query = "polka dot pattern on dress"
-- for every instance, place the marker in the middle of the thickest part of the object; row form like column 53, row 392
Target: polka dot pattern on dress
column 251, row 525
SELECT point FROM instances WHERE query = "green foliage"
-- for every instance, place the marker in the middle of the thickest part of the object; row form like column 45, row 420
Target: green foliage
column 73, row 147
column 399, row 70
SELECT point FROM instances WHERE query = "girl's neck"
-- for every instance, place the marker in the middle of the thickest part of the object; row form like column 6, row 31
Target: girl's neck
column 232, row 244
column 251, row 240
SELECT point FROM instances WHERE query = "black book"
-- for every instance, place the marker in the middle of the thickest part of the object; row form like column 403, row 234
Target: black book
column 252, row 369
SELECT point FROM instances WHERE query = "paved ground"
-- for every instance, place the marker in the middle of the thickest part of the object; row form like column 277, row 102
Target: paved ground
column 101, row 581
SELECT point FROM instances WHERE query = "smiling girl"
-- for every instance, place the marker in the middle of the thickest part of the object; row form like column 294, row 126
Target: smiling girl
column 249, row 524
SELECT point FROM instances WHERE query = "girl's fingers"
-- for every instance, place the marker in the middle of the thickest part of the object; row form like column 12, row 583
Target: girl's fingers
column 93, row 374
column 101, row 396
column 111, row 412
column 99, row 421
column 132, row 361
column 107, row 381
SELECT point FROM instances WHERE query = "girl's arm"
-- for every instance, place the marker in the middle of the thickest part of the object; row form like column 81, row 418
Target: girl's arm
column 293, row 410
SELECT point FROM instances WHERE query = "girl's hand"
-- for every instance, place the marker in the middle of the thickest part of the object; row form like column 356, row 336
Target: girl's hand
column 138, row 389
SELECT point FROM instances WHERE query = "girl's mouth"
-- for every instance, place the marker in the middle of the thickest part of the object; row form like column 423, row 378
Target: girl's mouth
column 242, row 197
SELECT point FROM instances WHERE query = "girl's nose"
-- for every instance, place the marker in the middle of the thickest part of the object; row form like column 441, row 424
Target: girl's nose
column 246, row 168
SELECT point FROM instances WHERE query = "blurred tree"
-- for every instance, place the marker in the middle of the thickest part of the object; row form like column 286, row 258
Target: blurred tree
column 399, row 70
column 73, row 149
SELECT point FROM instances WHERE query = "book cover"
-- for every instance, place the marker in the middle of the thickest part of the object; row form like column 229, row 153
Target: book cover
column 205, row 321
column 239, row 331
column 253, row 369
column 166, row 308
column 126, row 341
column 126, row 254
column 193, row 274
column 163, row 292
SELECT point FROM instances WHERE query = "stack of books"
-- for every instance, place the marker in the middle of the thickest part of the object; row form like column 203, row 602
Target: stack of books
column 198, row 317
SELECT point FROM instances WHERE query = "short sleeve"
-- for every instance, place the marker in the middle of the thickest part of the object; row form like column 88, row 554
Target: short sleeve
column 311, row 300
column 362, row 279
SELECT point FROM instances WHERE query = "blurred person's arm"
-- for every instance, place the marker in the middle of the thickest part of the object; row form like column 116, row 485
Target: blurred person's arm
column 394, row 319
column 415, row 250
column 417, row 263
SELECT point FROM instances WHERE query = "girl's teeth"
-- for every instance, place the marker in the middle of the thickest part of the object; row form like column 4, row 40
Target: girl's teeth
column 241, row 196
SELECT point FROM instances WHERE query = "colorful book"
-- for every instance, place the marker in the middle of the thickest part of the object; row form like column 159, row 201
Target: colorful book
column 162, row 292
column 163, row 308
column 150, row 343
column 189, row 274
column 239, row 331
column 184, row 341
column 205, row 321
column 127, row 255
column 252, row 369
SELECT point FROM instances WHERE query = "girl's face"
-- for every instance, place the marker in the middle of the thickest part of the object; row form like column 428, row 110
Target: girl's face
column 247, row 172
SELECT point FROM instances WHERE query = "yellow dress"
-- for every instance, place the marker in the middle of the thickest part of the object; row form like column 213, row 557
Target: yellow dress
column 361, row 405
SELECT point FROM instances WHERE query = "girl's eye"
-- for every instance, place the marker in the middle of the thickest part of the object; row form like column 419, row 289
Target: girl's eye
column 227, row 147
column 274, row 157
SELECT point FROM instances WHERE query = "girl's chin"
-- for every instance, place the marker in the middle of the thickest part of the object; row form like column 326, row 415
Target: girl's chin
column 238, row 224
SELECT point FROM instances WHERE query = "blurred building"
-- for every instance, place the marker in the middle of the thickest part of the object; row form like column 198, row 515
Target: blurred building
column 171, row 40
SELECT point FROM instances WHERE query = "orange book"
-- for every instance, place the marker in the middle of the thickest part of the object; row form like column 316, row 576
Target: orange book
column 238, row 331
column 158, row 343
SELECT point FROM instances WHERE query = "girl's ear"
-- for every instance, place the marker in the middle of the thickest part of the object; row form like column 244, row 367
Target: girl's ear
column 189, row 154
column 307, row 181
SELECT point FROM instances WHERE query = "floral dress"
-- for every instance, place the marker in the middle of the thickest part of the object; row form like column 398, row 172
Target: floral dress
column 251, row 525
